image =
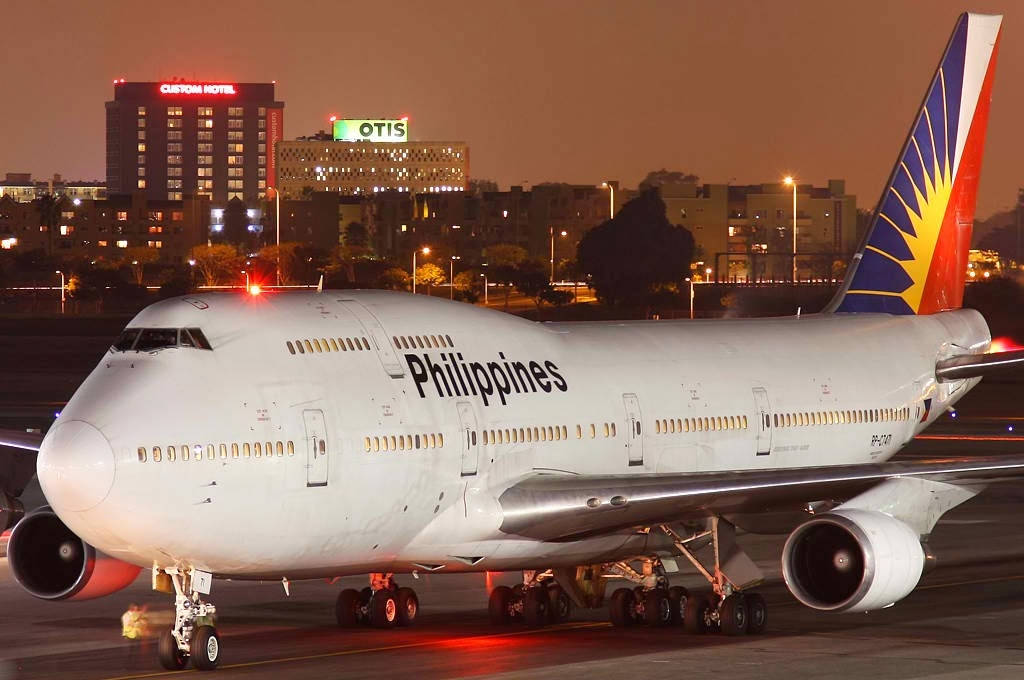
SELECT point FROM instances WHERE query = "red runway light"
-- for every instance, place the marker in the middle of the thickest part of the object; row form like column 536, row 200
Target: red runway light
column 1004, row 344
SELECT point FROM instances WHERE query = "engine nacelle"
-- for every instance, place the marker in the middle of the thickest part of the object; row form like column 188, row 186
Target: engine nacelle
column 52, row 563
column 851, row 559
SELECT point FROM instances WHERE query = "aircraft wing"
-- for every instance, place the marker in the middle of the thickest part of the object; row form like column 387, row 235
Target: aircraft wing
column 567, row 507
column 16, row 467
column 21, row 439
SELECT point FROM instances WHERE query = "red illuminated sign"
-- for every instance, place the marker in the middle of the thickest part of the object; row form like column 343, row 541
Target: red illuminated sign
column 197, row 88
column 276, row 128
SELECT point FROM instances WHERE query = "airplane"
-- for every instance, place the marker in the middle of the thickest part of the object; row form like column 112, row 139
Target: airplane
column 321, row 434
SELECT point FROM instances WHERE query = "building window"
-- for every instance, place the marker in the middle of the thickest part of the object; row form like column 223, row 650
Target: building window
column 142, row 147
column 174, row 123
column 206, row 111
column 122, row 243
column 122, row 215
column 174, row 172
column 174, row 135
column 236, row 148
column 235, row 184
column 174, row 184
column 174, row 159
column 205, row 172
column 261, row 111
column 173, row 195
column 204, row 123
column 173, row 110
column 205, row 185
column 142, row 161
column 154, row 244
column 234, row 160
column 142, row 122
column 204, row 148
column 262, row 160
column 235, row 135
column 235, row 172
column 177, row 216
column 263, row 123
column 261, row 136
column 142, row 110
column 234, row 110
column 142, row 135
column 262, row 184
column 142, row 184
column 261, row 172
column 234, row 123
column 236, row 194
column 204, row 136
column 174, row 147
column 262, row 148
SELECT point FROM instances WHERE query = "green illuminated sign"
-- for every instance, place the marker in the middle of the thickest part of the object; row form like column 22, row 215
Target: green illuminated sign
column 349, row 130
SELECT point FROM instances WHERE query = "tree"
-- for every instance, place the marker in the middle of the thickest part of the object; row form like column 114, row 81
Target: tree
column 631, row 255
column 50, row 207
column 556, row 297
column 502, row 259
column 394, row 278
column 656, row 178
column 236, row 223
column 356, row 235
column 136, row 258
column 429, row 274
column 531, row 279
column 466, row 283
column 269, row 255
column 216, row 263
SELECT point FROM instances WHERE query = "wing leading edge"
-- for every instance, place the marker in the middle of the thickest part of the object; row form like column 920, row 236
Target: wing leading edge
column 561, row 508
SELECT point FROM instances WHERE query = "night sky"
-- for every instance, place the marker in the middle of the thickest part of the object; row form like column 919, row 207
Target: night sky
column 564, row 91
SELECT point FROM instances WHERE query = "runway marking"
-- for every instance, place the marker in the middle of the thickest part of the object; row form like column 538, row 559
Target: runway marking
column 571, row 626
column 385, row 648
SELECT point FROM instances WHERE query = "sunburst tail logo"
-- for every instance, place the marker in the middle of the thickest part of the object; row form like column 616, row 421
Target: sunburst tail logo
column 914, row 256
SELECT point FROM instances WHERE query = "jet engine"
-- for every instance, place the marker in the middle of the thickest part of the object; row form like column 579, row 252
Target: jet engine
column 852, row 559
column 52, row 563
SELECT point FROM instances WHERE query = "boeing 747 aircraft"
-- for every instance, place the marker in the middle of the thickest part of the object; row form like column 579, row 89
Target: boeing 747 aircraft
column 320, row 434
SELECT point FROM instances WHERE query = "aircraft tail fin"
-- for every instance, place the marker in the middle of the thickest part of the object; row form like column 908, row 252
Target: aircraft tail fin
column 913, row 259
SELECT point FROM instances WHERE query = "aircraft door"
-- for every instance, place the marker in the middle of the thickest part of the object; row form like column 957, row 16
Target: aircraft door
column 764, row 421
column 317, row 448
column 388, row 358
column 468, row 433
column 634, row 438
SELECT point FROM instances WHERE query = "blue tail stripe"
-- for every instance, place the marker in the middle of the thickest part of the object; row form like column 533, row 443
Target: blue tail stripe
column 877, row 272
column 861, row 302
column 889, row 240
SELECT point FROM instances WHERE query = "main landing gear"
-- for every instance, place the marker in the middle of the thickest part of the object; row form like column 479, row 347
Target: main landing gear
column 193, row 635
column 537, row 601
column 382, row 604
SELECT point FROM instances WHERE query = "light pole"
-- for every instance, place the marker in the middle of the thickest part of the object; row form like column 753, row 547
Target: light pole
column 690, row 281
column 611, row 198
column 426, row 251
column 789, row 181
column 246, row 280
column 551, row 233
column 63, row 290
column 451, row 277
column 485, row 288
column 277, row 228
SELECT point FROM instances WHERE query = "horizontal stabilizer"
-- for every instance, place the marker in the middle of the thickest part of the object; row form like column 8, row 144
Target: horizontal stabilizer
column 978, row 365
column 20, row 439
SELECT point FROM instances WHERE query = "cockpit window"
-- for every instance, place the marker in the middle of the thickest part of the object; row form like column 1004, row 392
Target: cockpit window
column 127, row 339
column 156, row 338
column 151, row 339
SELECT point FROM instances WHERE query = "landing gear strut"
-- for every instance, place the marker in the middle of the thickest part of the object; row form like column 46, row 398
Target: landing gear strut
column 193, row 635
column 383, row 604
column 651, row 601
column 535, row 602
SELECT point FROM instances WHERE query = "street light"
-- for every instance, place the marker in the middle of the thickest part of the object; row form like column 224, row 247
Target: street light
column 485, row 288
column 789, row 181
column 62, row 290
column 451, row 277
column 551, row 232
column 611, row 198
column 277, row 227
column 426, row 251
column 690, row 281
column 246, row 280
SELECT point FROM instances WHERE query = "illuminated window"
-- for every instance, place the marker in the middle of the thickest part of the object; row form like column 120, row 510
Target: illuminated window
column 235, row 172
column 123, row 243
column 234, row 124
column 206, row 111
column 174, row 159
column 173, row 123
column 142, row 170
column 174, row 135
column 142, row 111
column 234, row 110
column 203, row 123
column 156, row 454
column 173, row 110
column 257, row 450
column 142, row 122
column 142, row 454
column 103, row 244
column 246, row 452
column 170, row 453
column 234, row 450
column 142, row 147
column 262, row 160
column 174, row 147
column 262, row 123
column 223, row 451
column 142, row 135
column 291, row 448
column 142, row 183
column 235, row 184
column 204, row 136
column 174, row 184
column 234, row 160
column 236, row 148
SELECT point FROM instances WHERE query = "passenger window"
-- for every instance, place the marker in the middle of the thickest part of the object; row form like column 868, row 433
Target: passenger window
column 320, row 444
column 309, row 346
column 234, row 449
column 280, row 448
column 408, row 441
column 449, row 339
column 348, row 341
column 522, row 434
column 316, row 346
column 170, row 453
column 744, row 422
column 366, row 344
column 246, row 452
column 156, row 454
column 366, row 443
column 440, row 439
column 291, row 448
column 405, row 343
column 433, row 340
column 257, row 450
column 298, row 346
column 142, row 454
column 223, row 451
column 508, row 438
column 211, row 451
column 579, row 432
column 291, row 347
column 401, row 443
column 417, row 440
column 613, row 429
column 334, row 344
column 394, row 339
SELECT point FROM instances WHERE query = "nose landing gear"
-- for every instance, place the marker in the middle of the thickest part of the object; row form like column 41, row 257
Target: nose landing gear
column 193, row 635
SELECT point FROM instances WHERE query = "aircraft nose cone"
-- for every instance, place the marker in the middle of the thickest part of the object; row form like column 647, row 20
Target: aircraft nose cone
column 75, row 466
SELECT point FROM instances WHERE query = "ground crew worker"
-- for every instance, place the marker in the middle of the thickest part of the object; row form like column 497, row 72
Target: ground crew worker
column 133, row 629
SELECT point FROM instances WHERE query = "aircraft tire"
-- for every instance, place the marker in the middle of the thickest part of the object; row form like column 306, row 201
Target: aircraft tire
column 657, row 608
column 535, row 606
column 383, row 609
column 620, row 608
column 498, row 604
column 346, row 608
column 559, row 605
column 205, row 648
column 171, row 658
column 757, row 608
column 677, row 601
column 733, row 615
column 408, row 606
column 695, row 612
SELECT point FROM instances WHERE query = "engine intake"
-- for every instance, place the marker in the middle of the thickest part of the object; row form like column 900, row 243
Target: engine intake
column 851, row 559
column 49, row 561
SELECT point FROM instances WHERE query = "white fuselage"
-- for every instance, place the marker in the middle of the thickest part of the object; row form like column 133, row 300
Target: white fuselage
column 672, row 396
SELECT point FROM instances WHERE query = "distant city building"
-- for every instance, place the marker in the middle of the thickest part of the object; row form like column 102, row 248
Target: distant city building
column 745, row 233
column 176, row 139
column 105, row 228
column 21, row 187
column 366, row 157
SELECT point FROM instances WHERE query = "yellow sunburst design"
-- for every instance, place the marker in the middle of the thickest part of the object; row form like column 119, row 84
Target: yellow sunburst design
column 932, row 200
